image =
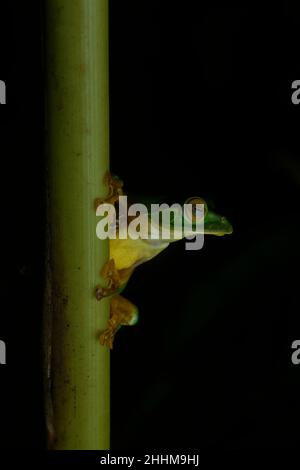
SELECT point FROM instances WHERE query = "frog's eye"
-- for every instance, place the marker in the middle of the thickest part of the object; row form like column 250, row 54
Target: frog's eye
column 193, row 211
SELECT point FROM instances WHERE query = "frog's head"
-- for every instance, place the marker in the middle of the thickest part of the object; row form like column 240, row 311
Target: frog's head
column 215, row 224
column 191, row 219
column 211, row 222
column 197, row 218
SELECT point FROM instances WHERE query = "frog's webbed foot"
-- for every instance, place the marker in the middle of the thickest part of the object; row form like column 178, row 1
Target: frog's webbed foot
column 110, row 273
column 115, row 189
column 122, row 312
column 107, row 337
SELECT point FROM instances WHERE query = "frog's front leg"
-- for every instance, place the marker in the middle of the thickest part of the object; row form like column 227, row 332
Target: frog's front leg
column 122, row 312
column 115, row 189
column 110, row 274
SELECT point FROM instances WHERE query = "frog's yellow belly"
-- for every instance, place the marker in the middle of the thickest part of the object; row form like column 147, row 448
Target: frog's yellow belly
column 130, row 253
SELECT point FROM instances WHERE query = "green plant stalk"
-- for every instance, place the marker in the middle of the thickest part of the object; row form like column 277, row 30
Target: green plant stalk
column 78, row 158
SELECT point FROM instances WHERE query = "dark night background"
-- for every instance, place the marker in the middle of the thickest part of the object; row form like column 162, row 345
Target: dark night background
column 200, row 105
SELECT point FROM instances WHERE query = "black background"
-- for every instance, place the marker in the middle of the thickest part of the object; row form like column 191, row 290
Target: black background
column 200, row 105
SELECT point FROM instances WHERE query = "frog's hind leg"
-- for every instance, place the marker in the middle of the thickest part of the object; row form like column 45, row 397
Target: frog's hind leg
column 116, row 279
column 122, row 312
